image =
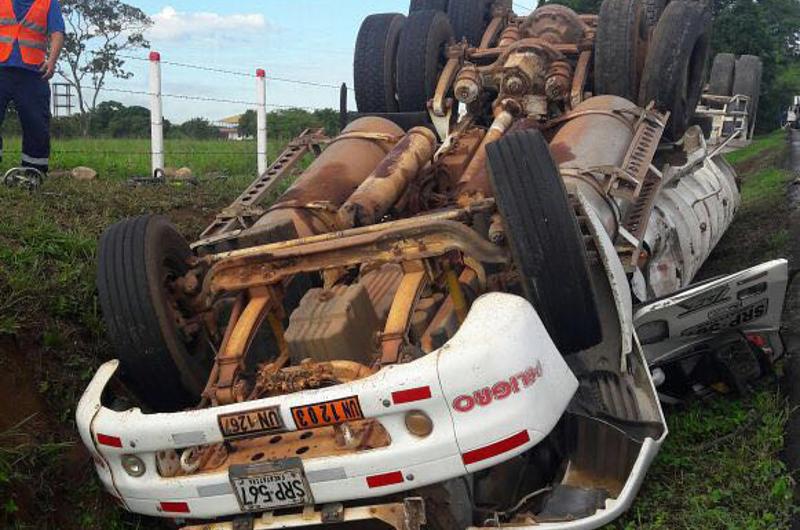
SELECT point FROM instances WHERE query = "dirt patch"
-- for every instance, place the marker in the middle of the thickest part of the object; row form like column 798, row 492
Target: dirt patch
column 19, row 396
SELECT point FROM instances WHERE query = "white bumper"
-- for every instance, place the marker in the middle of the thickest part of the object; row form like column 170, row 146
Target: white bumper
column 494, row 391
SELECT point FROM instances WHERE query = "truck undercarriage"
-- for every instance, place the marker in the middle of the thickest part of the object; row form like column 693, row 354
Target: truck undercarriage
column 450, row 318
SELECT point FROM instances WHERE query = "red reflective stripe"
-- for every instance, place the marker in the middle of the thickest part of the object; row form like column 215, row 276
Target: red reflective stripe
column 387, row 479
column 174, row 507
column 497, row 448
column 111, row 441
column 412, row 394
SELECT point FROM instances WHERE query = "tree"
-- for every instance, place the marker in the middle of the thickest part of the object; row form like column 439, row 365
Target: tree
column 248, row 124
column 98, row 32
column 200, row 129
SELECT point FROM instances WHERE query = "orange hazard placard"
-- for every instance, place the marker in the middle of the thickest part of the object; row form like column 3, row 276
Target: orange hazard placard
column 327, row 413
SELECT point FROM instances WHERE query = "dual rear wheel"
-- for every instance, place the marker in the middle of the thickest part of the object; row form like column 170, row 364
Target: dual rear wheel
column 398, row 59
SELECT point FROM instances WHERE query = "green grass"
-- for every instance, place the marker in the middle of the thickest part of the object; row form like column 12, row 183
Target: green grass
column 125, row 158
column 773, row 141
column 719, row 468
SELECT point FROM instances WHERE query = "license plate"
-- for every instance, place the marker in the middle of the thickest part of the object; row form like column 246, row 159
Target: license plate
column 327, row 413
column 268, row 486
column 251, row 423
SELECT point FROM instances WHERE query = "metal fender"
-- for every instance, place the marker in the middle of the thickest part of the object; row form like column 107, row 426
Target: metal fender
column 502, row 369
column 750, row 301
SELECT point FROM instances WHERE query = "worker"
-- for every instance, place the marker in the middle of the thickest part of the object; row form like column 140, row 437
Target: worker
column 26, row 29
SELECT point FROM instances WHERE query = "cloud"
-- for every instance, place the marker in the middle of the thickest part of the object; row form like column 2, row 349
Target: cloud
column 171, row 24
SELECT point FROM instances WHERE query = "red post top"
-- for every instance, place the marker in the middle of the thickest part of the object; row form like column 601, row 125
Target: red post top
column 155, row 56
column 261, row 73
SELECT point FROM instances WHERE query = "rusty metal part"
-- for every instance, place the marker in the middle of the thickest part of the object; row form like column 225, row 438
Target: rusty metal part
column 439, row 106
column 309, row 206
column 492, row 31
column 579, row 144
column 559, row 78
column 497, row 230
column 474, row 183
column 243, row 212
column 406, row 240
column 395, row 333
column 406, row 515
column 450, row 164
column 554, row 23
column 524, row 72
column 305, row 376
column 579, row 79
column 456, row 292
column 468, row 84
column 446, row 322
column 236, row 312
column 230, row 358
column 509, row 36
column 378, row 193
column 643, row 147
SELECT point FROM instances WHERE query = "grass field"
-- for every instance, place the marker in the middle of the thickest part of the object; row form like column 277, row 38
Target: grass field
column 125, row 158
column 720, row 466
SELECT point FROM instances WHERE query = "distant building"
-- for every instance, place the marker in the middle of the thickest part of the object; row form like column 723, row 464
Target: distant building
column 229, row 128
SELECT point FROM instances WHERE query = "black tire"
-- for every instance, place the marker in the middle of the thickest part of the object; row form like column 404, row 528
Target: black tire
column 674, row 71
column 720, row 81
column 470, row 19
column 375, row 62
column 424, row 5
column 545, row 240
column 652, row 11
column 421, row 58
column 747, row 82
column 620, row 48
column 136, row 257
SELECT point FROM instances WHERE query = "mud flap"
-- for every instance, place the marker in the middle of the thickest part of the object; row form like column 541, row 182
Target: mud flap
column 749, row 302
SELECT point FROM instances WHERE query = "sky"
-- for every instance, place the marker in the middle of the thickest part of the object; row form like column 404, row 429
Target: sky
column 309, row 40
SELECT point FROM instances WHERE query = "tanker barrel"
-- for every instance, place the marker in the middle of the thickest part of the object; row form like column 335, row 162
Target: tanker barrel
column 381, row 190
column 309, row 206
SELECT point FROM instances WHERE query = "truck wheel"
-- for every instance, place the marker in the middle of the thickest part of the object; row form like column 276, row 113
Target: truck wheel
column 470, row 19
column 747, row 82
column 421, row 58
column 721, row 78
column 545, row 240
column 424, row 5
column 375, row 65
column 675, row 68
column 137, row 260
column 620, row 48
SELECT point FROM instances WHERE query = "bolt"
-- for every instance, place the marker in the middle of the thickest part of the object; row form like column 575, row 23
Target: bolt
column 387, row 403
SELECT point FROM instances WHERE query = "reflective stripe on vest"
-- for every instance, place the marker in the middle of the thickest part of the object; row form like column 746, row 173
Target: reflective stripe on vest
column 8, row 21
column 33, row 44
column 34, row 27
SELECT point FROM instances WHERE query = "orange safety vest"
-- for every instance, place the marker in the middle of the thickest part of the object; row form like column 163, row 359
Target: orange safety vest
column 30, row 33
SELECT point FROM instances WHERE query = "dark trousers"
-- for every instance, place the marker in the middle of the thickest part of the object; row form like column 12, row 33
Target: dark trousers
column 31, row 97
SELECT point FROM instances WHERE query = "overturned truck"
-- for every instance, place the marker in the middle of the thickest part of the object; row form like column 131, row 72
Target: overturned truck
column 449, row 319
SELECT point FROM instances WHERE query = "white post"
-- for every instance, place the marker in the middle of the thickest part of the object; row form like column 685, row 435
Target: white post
column 156, row 114
column 261, row 111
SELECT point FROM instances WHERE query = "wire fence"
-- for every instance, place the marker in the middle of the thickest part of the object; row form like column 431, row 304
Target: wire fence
column 231, row 149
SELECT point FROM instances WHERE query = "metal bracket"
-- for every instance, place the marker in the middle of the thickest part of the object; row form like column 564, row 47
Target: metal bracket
column 233, row 217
